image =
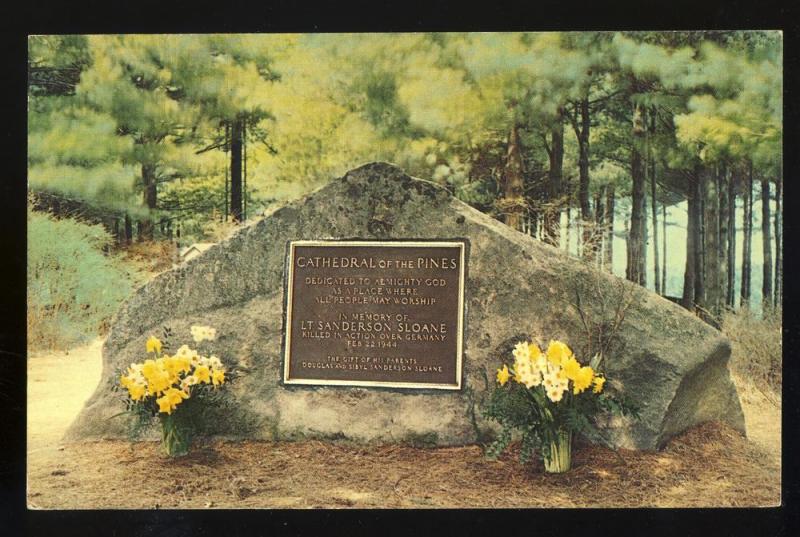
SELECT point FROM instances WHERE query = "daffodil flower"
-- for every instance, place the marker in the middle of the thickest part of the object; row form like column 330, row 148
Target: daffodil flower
column 558, row 353
column 153, row 344
column 598, row 384
column 218, row 377
column 583, row 379
column 502, row 375
column 202, row 373
column 202, row 333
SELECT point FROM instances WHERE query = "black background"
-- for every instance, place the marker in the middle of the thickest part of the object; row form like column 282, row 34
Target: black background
column 36, row 16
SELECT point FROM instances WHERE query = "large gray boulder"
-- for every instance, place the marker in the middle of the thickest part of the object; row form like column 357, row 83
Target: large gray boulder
column 669, row 362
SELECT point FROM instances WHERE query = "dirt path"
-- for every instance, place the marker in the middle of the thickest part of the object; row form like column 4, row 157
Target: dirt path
column 59, row 383
column 762, row 417
column 710, row 465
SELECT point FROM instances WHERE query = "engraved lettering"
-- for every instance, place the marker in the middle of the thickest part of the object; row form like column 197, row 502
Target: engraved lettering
column 375, row 313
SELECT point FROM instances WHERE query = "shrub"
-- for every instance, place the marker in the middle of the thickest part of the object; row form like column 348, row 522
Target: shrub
column 757, row 350
column 73, row 288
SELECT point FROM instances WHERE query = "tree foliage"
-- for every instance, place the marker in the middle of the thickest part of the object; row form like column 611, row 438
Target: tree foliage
column 525, row 126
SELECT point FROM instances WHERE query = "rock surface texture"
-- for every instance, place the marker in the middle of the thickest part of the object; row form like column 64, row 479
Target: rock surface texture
column 670, row 363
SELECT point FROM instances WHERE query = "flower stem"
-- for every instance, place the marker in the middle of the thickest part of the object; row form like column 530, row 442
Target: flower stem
column 560, row 456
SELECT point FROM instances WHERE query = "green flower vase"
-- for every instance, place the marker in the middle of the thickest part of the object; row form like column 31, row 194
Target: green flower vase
column 175, row 436
column 559, row 460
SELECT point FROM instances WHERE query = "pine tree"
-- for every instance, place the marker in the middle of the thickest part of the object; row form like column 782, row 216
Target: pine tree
column 766, row 239
column 712, row 299
column 128, row 82
column 635, row 269
column 730, row 299
column 747, row 241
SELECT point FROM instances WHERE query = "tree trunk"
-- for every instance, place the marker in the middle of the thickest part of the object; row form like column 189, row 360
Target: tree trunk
column 645, row 238
column 244, row 173
column 236, row 170
column 117, row 232
column 653, row 206
column 582, row 134
column 731, row 295
column 778, row 300
column 513, row 181
column 700, row 259
column 664, row 248
column 651, row 129
column 690, row 274
column 599, row 218
column 569, row 231
column 565, row 230
column 555, row 175
column 610, row 207
column 766, row 240
column 533, row 223
column 540, row 227
column 724, row 234
column 747, row 240
column 599, row 210
column 128, row 229
column 226, row 148
column 713, row 288
column 149, row 198
column 635, row 268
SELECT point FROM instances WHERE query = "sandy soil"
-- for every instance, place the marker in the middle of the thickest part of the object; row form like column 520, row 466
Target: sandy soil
column 710, row 465
column 762, row 417
column 59, row 383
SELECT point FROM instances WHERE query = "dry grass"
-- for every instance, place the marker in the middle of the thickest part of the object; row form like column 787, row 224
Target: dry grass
column 151, row 256
column 41, row 330
column 215, row 230
column 757, row 350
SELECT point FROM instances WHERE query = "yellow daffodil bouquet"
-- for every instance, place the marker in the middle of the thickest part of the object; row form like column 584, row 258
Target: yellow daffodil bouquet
column 549, row 396
column 170, row 386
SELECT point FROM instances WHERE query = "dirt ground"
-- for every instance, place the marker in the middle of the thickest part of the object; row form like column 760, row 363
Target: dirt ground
column 708, row 466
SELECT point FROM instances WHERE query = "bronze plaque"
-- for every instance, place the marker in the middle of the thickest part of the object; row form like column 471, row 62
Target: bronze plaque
column 368, row 313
